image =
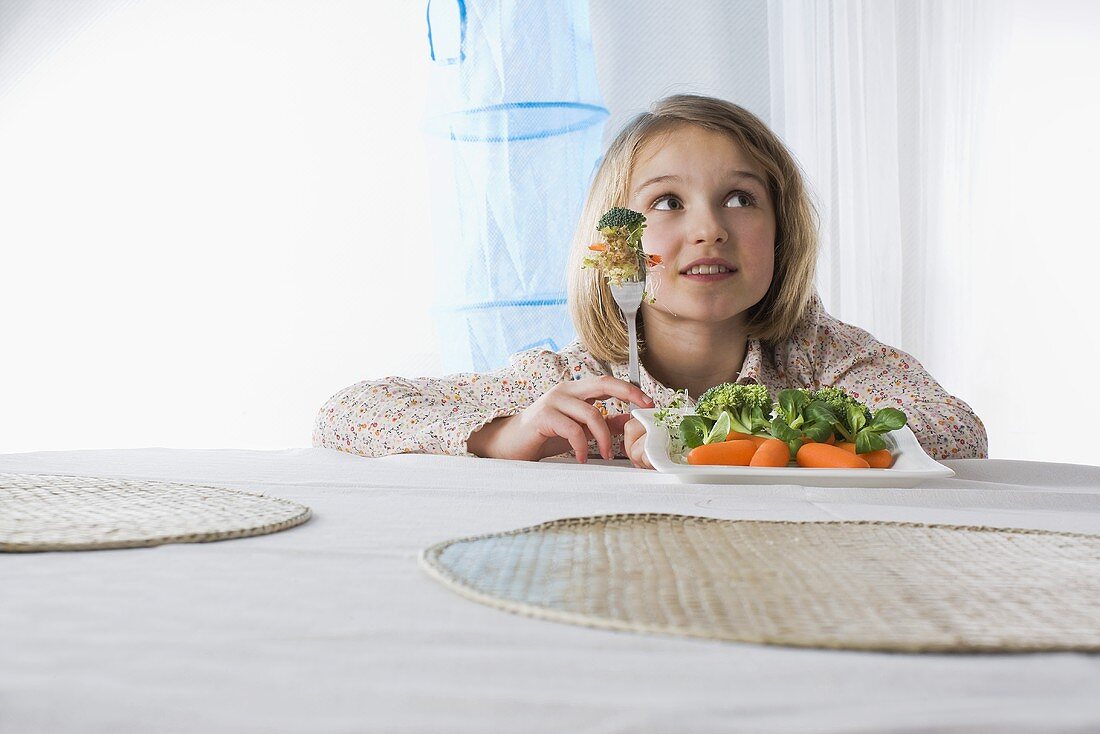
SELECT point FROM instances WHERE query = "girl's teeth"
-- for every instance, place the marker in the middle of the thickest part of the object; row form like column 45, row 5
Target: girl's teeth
column 708, row 269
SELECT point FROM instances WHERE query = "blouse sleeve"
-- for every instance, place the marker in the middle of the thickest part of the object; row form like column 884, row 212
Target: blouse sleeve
column 883, row 377
column 433, row 415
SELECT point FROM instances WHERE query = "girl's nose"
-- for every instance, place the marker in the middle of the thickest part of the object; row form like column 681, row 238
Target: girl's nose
column 707, row 228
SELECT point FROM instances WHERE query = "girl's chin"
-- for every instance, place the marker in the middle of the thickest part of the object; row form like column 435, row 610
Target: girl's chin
column 694, row 313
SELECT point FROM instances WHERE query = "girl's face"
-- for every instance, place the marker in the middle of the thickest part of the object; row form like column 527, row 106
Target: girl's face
column 709, row 217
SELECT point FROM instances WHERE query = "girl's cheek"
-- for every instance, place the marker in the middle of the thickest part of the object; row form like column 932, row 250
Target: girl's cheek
column 656, row 242
column 758, row 259
column 761, row 245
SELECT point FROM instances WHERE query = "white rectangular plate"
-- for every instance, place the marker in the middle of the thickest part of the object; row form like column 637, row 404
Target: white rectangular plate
column 911, row 465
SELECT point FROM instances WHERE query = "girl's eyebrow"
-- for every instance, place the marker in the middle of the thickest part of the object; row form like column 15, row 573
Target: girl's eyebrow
column 676, row 179
column 749, row 174
column 656, row 180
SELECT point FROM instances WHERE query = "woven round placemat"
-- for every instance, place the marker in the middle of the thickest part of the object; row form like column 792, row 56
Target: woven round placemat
column 40, row 512
column 854, row 585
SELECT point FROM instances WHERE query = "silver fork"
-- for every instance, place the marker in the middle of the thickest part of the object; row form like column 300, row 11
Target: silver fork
column 628, row 296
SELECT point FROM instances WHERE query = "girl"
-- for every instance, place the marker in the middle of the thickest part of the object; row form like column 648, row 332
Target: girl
column 727, row 211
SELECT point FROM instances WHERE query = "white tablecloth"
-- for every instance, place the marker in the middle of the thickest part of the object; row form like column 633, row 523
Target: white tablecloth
column 331, row 626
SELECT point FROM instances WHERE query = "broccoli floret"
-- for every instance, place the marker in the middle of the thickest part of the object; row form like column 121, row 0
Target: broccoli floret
column 749, row 406
column 620, row 217
column 839, row 401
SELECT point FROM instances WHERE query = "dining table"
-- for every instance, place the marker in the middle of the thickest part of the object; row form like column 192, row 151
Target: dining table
column 334, row 625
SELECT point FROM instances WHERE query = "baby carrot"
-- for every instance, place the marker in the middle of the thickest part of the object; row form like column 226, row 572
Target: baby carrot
column 881, row 459
column 824, row 456
column 730, row 453
column 756, row 440
column 771, row 452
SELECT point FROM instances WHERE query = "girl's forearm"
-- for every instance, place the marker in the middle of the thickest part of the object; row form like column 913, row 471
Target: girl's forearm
column 399, row 416
column 485, row 442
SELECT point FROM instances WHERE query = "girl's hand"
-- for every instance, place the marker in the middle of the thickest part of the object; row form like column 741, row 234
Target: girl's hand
column 562, row 419
column 634, row 444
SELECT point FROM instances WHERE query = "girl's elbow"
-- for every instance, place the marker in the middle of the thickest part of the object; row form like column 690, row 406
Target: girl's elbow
column 980, row 442
column 966, row 440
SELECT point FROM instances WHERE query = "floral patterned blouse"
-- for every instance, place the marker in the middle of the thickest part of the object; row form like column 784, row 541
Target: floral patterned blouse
column 437, row 415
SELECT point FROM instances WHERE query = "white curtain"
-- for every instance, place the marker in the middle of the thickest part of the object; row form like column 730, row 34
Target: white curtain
column 922, row 127
column 881, row 102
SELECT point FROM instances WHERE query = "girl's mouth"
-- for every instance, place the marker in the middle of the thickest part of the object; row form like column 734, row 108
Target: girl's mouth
column 708, row 272
column 708, row 277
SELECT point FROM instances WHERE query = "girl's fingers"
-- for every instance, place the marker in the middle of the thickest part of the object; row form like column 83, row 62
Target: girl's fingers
column 616, row 423
column 638, row 457
column 554, row 446
column 590, row 417
column 601, row 388
column 566, row 413
column 565, row 427
column 634, row 443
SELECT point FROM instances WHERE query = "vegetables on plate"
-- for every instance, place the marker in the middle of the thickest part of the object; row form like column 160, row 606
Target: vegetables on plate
column 823, row 428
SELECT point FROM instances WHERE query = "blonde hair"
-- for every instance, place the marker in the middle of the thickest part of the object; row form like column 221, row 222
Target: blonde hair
column 597, row 320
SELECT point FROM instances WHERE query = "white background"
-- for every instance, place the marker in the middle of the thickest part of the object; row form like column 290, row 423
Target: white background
column 212, row 216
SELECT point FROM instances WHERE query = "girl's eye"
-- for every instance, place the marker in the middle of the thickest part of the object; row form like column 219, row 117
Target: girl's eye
column 668, row 203
column 740, row 199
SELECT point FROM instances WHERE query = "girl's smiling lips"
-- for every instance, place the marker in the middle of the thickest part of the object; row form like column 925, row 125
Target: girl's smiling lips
column 708, row 269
